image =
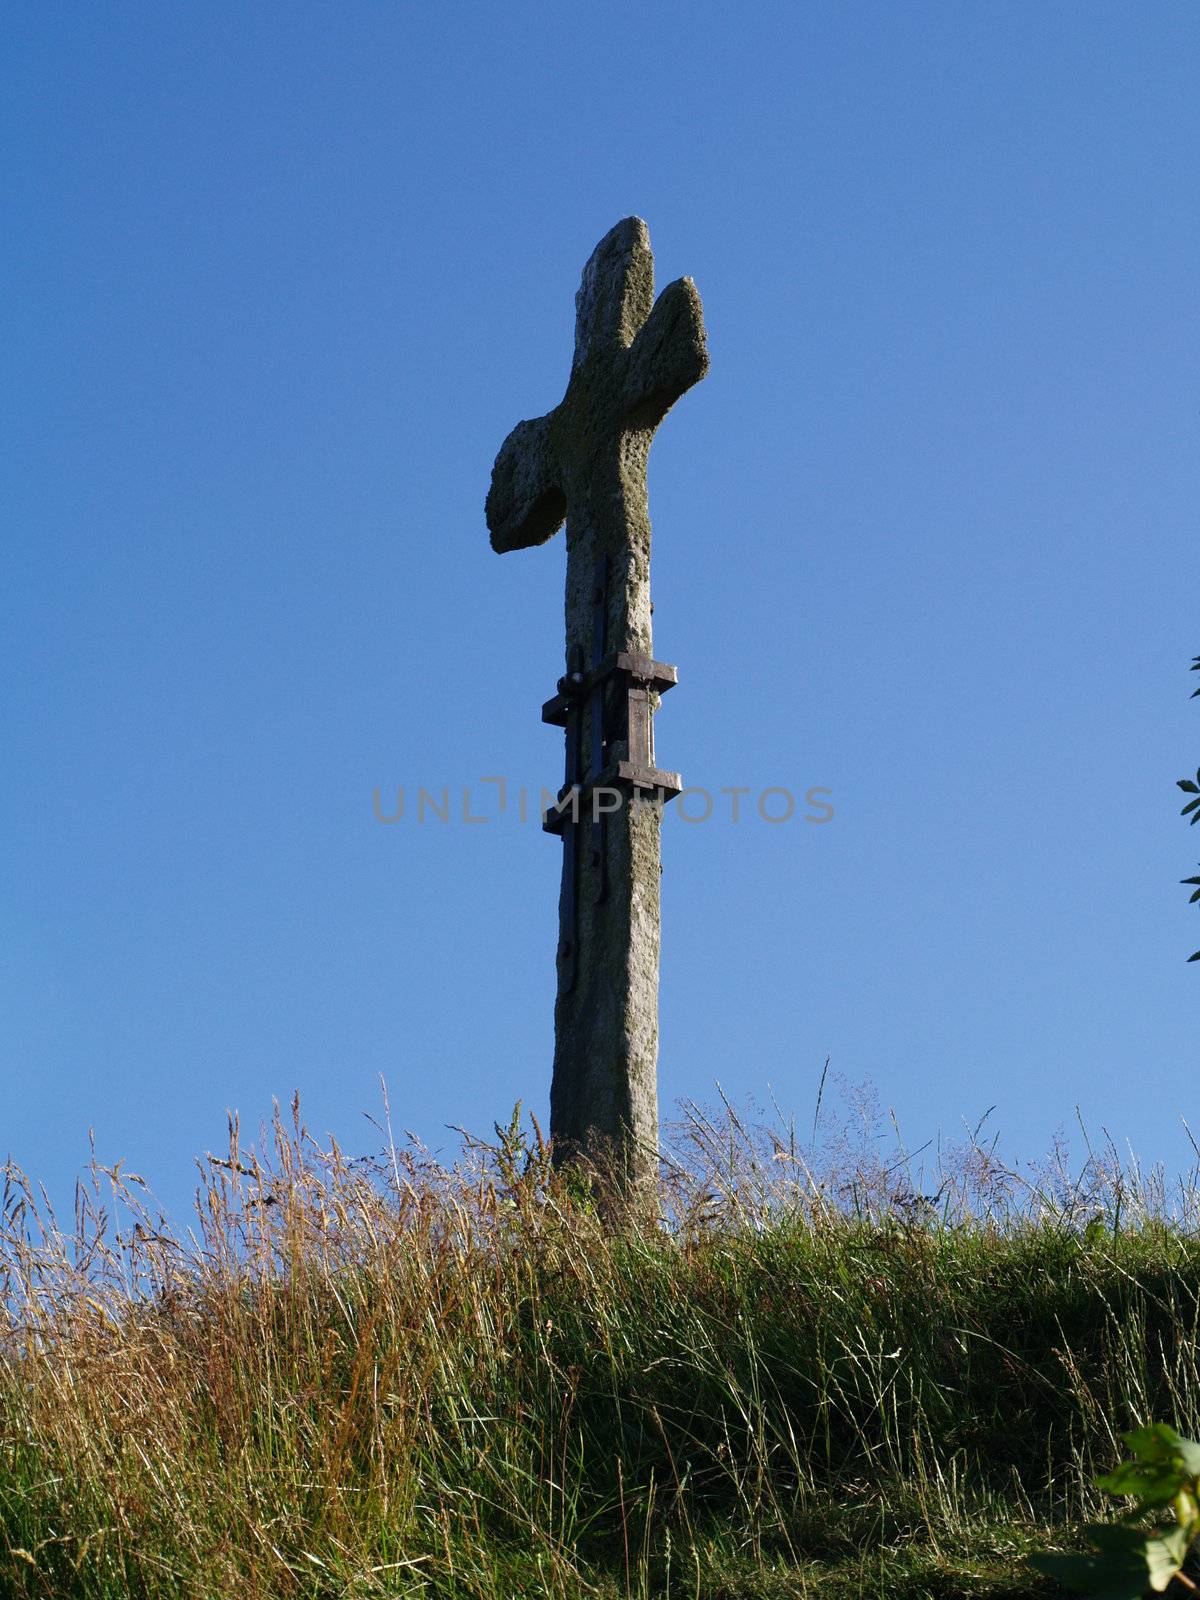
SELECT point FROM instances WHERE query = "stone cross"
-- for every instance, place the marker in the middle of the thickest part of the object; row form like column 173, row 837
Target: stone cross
column 585, row 463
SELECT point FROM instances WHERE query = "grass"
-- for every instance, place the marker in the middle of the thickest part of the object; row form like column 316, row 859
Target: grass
column 387, row 1377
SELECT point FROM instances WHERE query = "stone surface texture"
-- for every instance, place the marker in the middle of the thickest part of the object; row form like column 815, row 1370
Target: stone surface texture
column 585, row 463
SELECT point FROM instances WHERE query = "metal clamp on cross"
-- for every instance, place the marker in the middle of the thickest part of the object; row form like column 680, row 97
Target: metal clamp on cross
column 585, row 463
column 622, row 755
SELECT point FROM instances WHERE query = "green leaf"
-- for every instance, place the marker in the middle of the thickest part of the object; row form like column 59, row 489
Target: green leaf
column 1127, row 1560
column 1119, row 1572
column 1196, row 957
column 1191, row 806
column 1154, row 1483
column 1159, row 1470
column 1155, row 1442
column 1192, row 898
column 1094, row 1575
column 1189, row 880
column 1186, row 785
column 1164, row 1557
column 1159, row 1446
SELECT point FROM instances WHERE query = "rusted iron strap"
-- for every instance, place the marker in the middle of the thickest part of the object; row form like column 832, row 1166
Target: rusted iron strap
column 657, row 675
column 625, row 776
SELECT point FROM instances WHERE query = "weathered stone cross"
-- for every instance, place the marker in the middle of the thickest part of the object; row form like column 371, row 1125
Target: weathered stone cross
column 585, row 462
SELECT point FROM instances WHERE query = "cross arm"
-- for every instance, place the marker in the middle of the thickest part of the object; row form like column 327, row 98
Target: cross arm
column 668, row 355
column 525, row 504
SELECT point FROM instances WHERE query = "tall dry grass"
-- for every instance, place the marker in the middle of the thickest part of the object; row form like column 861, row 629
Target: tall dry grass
column 390, row 1376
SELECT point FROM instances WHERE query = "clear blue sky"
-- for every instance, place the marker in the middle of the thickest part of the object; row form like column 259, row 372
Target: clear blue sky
column 277, row 282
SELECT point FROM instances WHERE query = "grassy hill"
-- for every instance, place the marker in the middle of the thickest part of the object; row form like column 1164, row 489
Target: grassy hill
column 387, row 1377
